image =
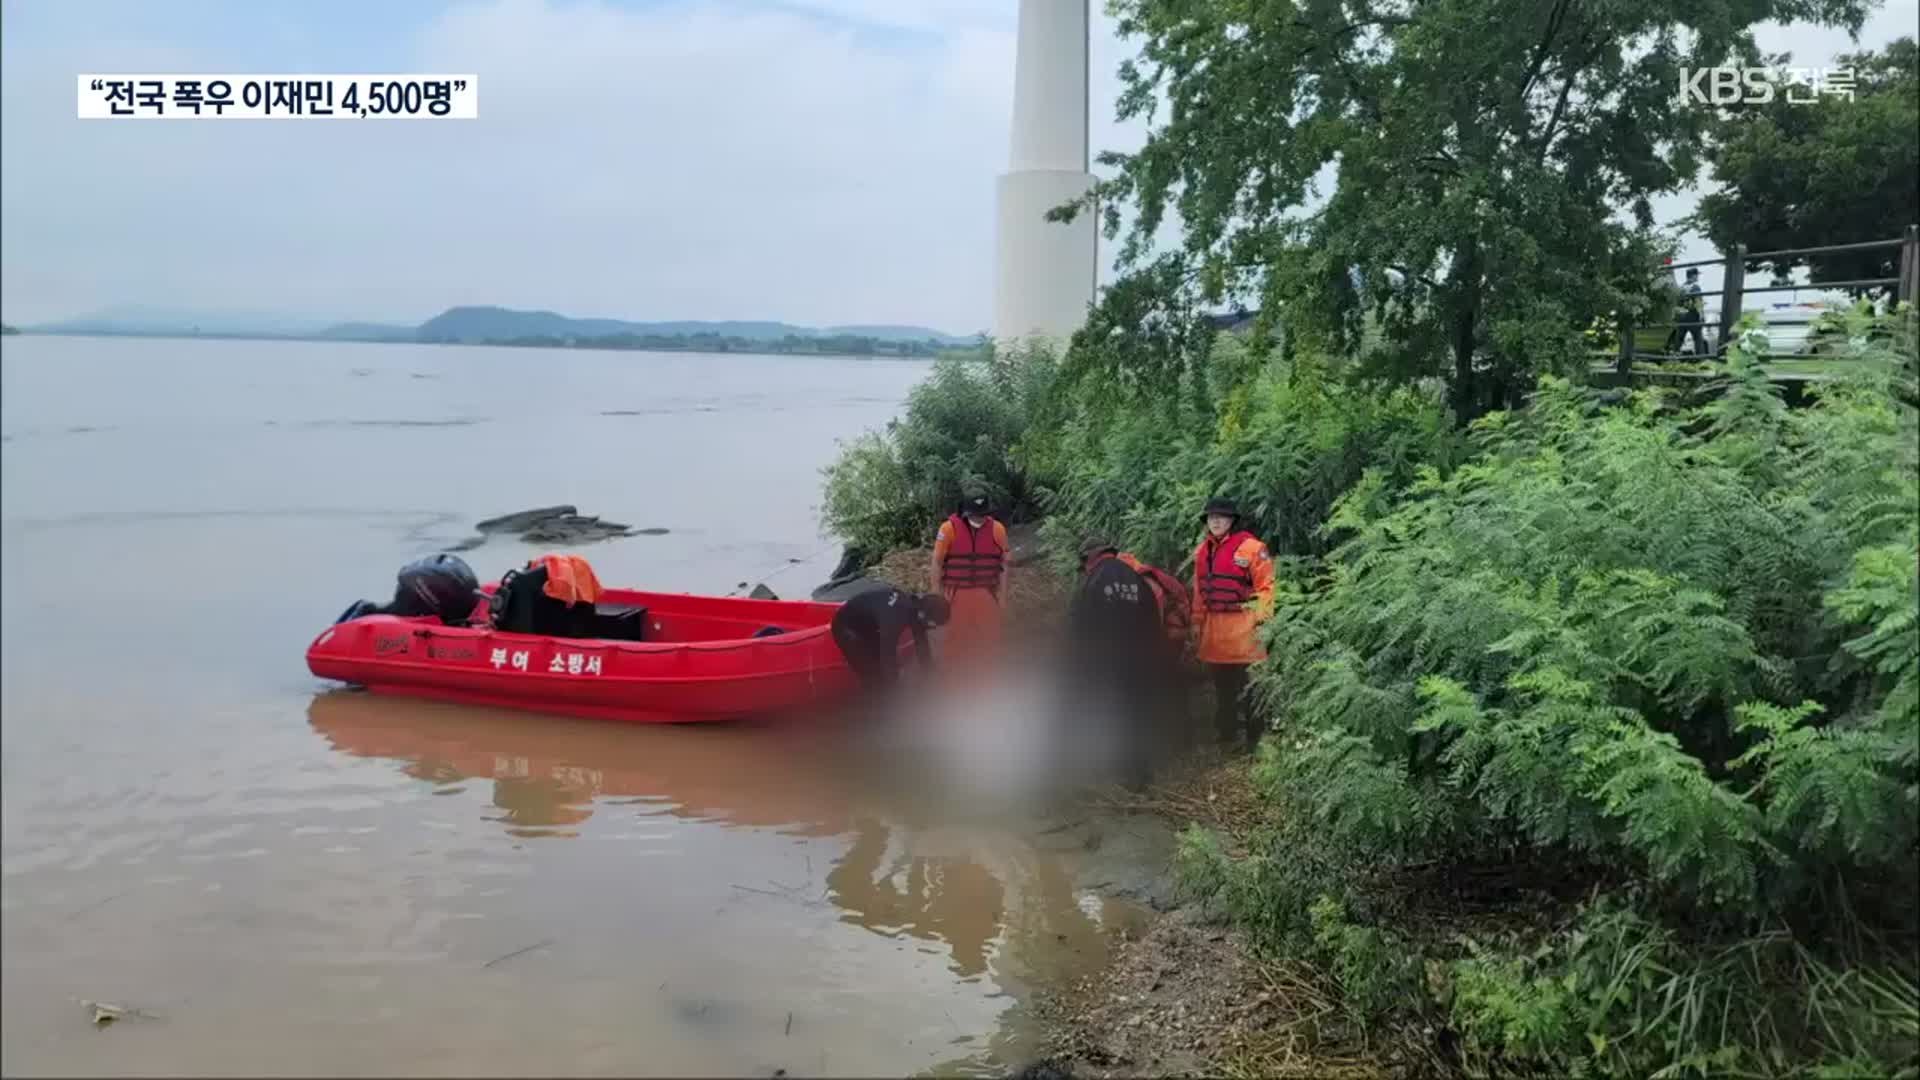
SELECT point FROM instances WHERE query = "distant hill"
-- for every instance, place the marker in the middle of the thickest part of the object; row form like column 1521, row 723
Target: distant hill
column 475, row 324
column 888, row 332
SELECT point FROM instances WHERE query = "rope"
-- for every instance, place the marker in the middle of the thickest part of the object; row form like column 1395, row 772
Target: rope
column 785, row 566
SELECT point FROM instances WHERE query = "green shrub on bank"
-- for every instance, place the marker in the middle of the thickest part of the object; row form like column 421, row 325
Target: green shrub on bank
column 889, row 488
column 1284, row 438
column 1680, row 642
column 1618, row 994
column 1683, row 638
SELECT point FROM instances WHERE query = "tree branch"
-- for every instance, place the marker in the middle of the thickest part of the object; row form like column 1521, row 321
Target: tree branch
column 1544, row 49
column 1560, row 106
column 1553, row 122
column 1421, row 278
column 1331, row 40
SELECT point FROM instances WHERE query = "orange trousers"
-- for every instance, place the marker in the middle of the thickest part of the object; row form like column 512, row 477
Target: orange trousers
column 973, row 634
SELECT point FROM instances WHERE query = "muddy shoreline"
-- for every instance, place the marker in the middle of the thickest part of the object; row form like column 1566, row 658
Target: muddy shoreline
column 1183, row 993
column 1187, row 995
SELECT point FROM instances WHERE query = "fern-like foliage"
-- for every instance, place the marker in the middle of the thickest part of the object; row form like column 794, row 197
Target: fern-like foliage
column 1833, row 793
column 1283, row 438
column 1594, row 632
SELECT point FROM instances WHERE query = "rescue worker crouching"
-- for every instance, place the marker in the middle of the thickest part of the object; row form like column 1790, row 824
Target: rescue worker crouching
column 1232, row 596
column 970, row 570
column 868, row 628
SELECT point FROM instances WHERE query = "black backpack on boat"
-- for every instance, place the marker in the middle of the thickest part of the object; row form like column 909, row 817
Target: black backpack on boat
column 521, row 606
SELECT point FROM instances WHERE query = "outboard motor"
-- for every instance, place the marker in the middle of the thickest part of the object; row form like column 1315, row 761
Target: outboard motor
column 441, row 585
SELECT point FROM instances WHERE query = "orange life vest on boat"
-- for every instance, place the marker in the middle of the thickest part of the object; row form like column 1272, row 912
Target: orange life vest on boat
column 975, row 559
column 569, row 579
column 1224, row 584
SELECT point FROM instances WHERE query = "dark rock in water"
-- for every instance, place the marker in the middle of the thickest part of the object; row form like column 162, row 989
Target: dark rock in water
column 852, row 561
column 839, row 592
column 573, row 529
column 761, row 592
column 555, row 525
column 651, row 532
column 525, row 519
column 1041, row 1070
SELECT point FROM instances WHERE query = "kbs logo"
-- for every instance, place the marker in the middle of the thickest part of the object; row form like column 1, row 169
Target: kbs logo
column 1760, row 85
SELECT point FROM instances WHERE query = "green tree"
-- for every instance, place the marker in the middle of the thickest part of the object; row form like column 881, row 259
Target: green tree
column 1833, row 171
column 1477, row 155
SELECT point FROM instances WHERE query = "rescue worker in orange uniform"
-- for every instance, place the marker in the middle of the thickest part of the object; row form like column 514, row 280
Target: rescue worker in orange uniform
column 1232, row 596
column 970, row 570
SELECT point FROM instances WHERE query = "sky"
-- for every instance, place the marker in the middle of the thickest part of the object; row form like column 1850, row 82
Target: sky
column 818, row 162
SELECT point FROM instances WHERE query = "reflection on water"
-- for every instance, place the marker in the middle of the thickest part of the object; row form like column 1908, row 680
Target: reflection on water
column 952, row 900
column 998, row 913
column 550, row 771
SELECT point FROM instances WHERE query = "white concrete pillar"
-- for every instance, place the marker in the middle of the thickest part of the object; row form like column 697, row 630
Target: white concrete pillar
column 1045, row 272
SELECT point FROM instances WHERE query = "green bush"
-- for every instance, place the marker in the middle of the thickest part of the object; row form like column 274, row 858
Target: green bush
column 1284, row 438
column 1681, row 641
column 1619, row 995
column 1683, row 637
column 887, row 489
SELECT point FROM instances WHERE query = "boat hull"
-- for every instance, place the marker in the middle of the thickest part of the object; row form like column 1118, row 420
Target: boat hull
column 708, row 675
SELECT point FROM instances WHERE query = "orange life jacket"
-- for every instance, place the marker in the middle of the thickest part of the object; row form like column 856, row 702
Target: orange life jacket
column 974, row 559
column 1168, row 593
column 1224, row 584
column 569, row 579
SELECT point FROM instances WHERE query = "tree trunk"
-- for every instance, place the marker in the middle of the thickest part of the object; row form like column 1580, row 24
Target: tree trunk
column 1465, row 276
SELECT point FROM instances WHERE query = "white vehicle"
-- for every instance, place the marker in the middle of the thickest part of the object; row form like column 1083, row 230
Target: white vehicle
column 1789, row 325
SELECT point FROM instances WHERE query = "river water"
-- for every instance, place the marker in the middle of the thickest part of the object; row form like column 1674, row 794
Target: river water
column 281, row 877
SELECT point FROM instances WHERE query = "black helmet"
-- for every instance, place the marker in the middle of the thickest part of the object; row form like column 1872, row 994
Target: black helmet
column 974, row 503
column 1220, row 505
column 1096, row 545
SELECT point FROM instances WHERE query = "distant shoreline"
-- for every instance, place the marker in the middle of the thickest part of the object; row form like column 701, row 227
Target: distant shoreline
column 877, row 348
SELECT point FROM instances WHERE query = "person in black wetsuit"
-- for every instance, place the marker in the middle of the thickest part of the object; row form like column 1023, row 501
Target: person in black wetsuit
column 868, row 627
column 1119, row 659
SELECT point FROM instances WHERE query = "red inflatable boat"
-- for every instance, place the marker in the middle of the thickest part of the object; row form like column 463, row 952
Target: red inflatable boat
column 698, row 660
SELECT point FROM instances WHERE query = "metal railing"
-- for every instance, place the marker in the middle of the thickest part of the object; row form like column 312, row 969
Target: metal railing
column 1734, row 291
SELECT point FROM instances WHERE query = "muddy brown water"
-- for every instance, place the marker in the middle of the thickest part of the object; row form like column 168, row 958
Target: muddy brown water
column 284, row 877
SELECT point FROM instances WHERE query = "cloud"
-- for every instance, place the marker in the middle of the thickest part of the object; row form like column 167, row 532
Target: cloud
column 818, row 161
column 674, row 161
